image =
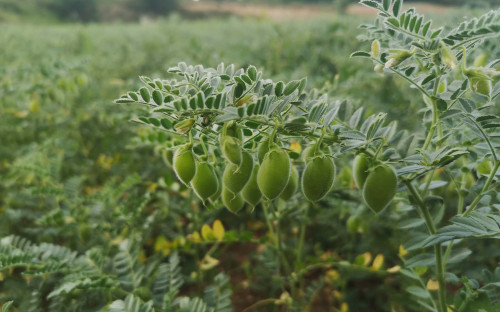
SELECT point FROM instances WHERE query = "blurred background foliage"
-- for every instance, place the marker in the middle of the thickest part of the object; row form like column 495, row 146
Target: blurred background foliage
column 128, row 10
column 74, row 173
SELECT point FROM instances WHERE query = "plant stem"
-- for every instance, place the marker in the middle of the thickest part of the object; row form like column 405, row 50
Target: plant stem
column 432, row 129
column 485, row 188
column 302, row 235
column 437, row 248
column 259, row 303
column 286, row 265
column 270, row 227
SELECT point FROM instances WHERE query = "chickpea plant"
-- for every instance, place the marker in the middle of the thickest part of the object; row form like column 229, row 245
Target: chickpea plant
column 235, row 137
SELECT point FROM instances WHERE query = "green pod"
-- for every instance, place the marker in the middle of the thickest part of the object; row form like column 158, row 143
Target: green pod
column 204, row 182
column 380, row 187
column 168, row 157
column 274, row 173
column 231, row 129
column 479, row 81
column 235, row 177
column 233, row 202
column 352, row 224
column 251, row 192
column 292, row 186
column 308, row 153
column 231, row 150
column 484, row 167
column 318, row 177
column 360, row 167
column 184, row 163
column 264, row 147
column 217, row 194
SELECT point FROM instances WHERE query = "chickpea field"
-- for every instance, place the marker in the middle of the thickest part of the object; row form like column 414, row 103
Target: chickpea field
column 217, row 163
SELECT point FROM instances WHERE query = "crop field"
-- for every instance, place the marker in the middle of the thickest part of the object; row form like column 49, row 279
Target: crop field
column 250, row 157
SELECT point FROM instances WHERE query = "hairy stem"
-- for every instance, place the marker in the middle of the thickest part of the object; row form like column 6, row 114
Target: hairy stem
column 485, row 188
column 424, row 210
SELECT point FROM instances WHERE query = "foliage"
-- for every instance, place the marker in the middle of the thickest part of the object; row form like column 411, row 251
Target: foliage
column 93, row 220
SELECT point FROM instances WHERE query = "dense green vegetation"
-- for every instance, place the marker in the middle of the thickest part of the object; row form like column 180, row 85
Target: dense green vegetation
column 90, row 214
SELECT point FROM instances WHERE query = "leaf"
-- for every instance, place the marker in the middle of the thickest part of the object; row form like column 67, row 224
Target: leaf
column 193, row 304
column 302, row 85
column 291, row 87
column 420, row 260
column 386, row 4
column 218, row 230
column 157, row 97
column 218, row 295
column 369, row 3
column 360, row 54
column 396, row 8
column 5, row 306
column 131, row 304
column 278, row 89
column 145, row 94
column 475, row 225
column 207, row 233
column 252, row 72
column 418, row 292
column 168, row 282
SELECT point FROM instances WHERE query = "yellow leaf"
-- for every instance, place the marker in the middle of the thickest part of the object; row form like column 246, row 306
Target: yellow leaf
column 394, row 269
column 218, row 230
column 196, row 237
column 402, row 251
column 207, row 233
column 378, row 262
column 296, row 147
column 160, row 243
column 35, row 106
column 344, row 307
column 142, row 257
column 432, row 285
column 117, row 241
column 284, row 299
column 332, row 276
column 367, row 257
column 152, row 187
column 337, row 295
column 208, row 263
column 21, row 114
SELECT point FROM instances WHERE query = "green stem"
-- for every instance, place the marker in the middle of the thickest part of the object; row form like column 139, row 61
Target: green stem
column 203, row 146
column 437, row 248
column 379, row 149
column 432, row 129
column 259, row 303
column 485, row 188
column 302, row 235
column 419, row 87
column 286, row 265
column 270, row 227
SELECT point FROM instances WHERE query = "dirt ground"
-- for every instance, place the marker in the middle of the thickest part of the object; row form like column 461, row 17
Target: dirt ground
column 289, row 12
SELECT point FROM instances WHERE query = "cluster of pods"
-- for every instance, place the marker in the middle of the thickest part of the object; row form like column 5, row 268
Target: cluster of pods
column 268, row 173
